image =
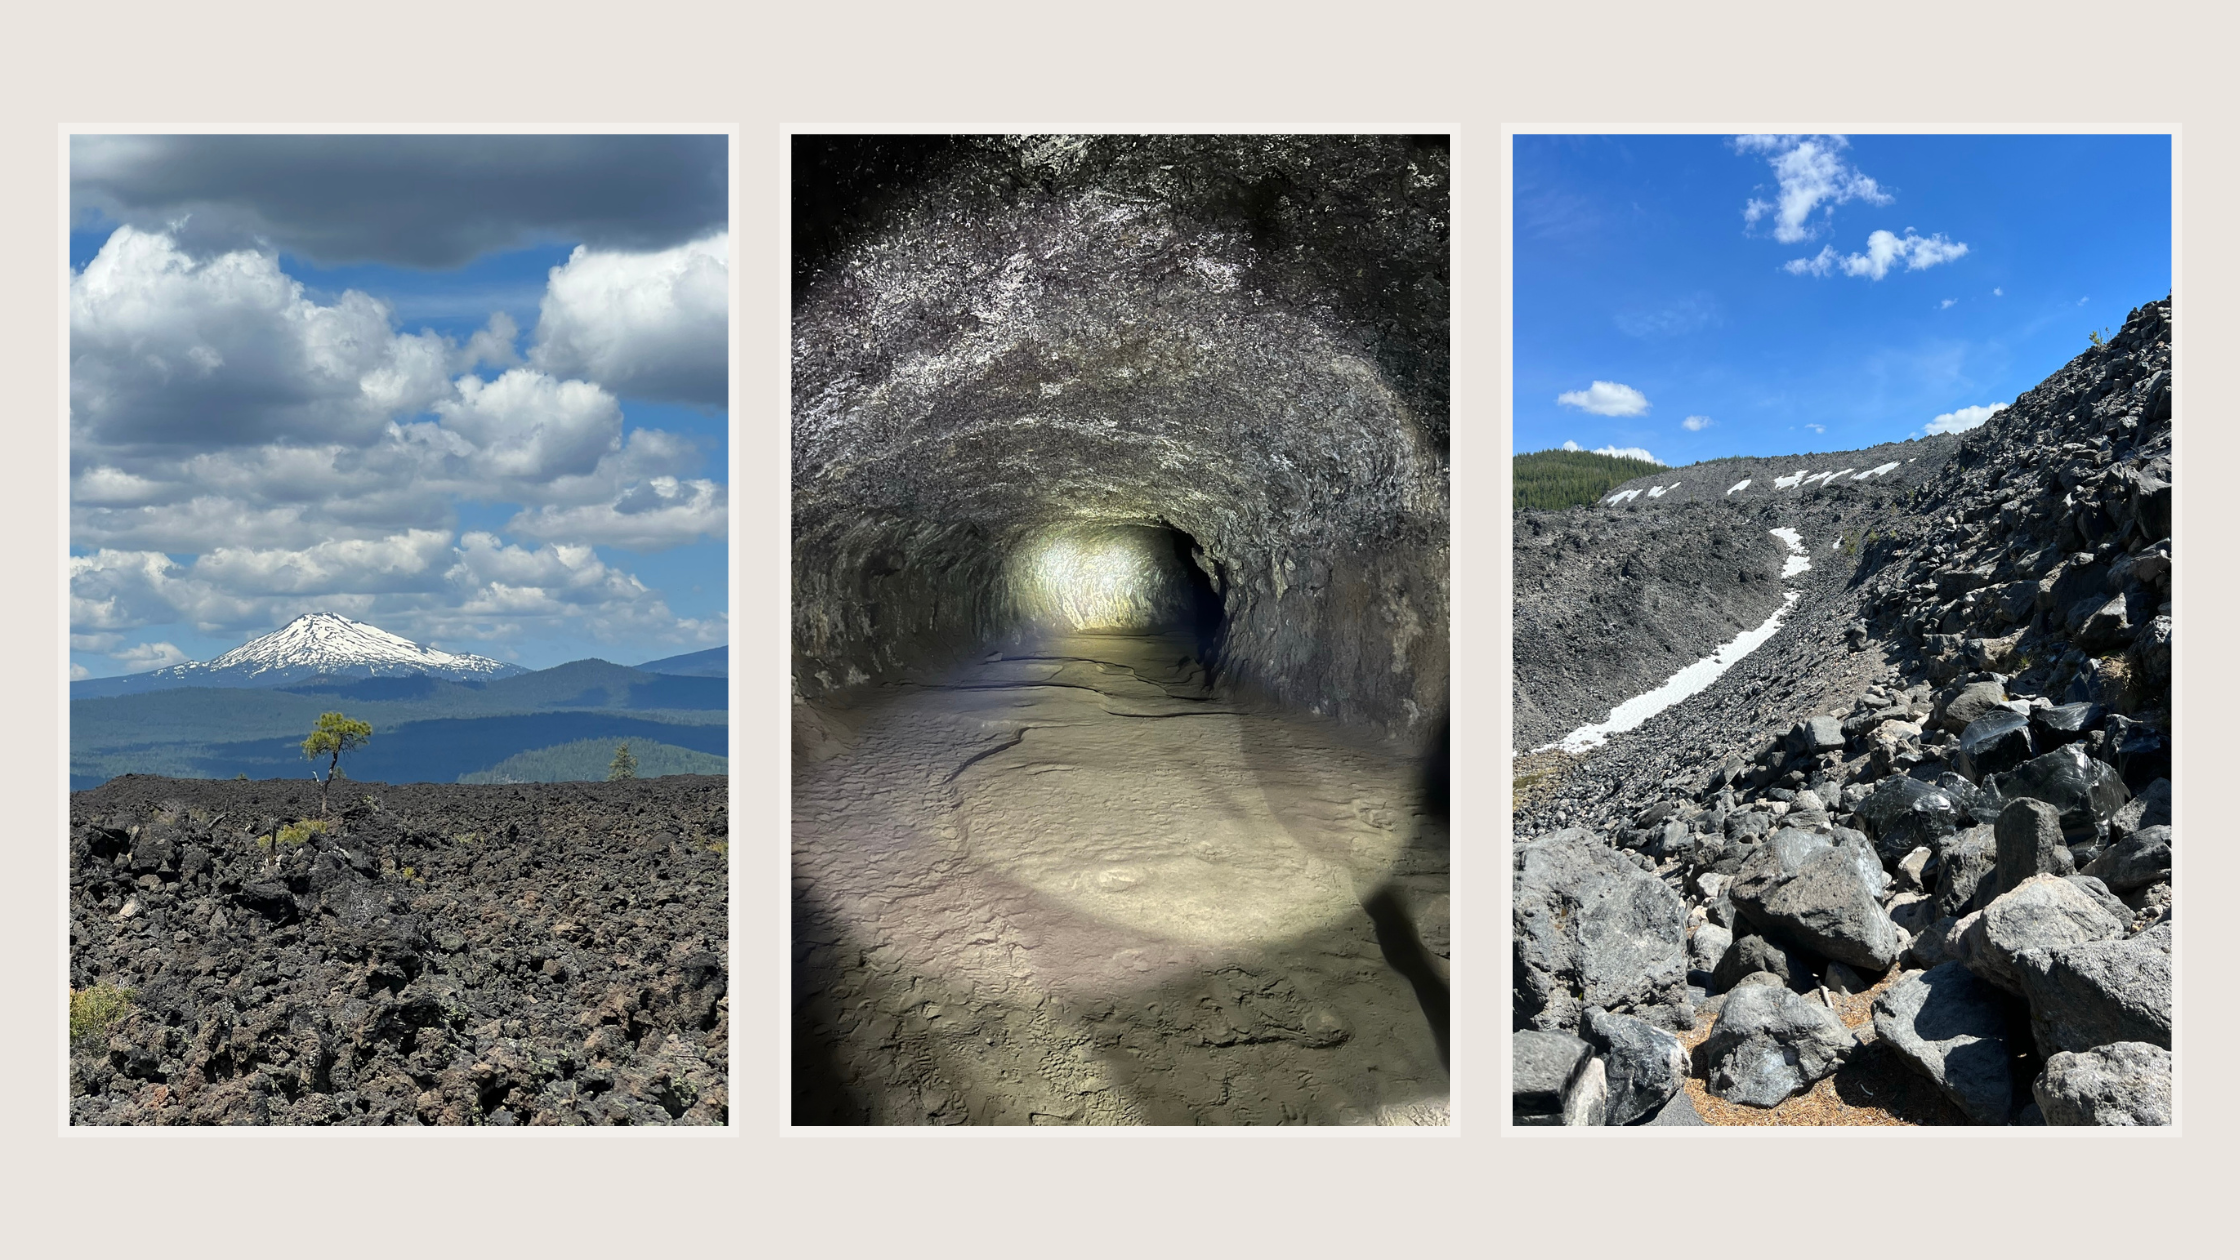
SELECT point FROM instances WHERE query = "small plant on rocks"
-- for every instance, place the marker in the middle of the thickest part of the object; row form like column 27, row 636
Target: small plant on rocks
column 95, row 1009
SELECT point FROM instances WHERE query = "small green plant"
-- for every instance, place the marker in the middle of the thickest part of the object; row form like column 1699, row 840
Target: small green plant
column 294, row 835
column 333, row 736
column 95, row 1009
column 466, row 837
column 2099, row 338
column 409, row 873
column 624, row 766
column 242, row 777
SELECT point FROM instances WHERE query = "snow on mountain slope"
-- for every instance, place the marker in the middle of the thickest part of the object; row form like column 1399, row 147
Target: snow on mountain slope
column 329, row 644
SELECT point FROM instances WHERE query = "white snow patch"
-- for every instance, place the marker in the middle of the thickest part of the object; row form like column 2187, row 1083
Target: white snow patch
column 1658, row 492
column 1622, row 496
column 1796, row 563
column 1793, row 479
column 1691, row 680
column 1743, row 484
column 1876, row 471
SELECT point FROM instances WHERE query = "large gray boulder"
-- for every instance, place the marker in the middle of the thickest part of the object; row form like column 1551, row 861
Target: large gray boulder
column 1643, row 1065
column 1817, row 734
column 2137, row 861
column 1969, row 703
column 1823, row 892
column 1542, row 1067
column 2121, row 1083
column 2045, row 912
column 1592, row 929
column 1707, row 945
column 1951, row 1026
column 1967, row 874
column 2086, row 792
column 1770, row 1043
column 2097, row 992
column 2028, row 834
column 2150, row 808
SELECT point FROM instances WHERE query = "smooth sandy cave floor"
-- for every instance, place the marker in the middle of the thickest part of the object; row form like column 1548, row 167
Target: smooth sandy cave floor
column 1068, row 884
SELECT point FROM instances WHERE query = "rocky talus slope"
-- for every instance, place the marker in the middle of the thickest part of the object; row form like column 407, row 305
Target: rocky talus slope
column 442, row 955
column 1910, row 860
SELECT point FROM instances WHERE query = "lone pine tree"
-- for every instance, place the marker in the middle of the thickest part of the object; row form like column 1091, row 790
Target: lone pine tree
column 624, row 766
column 332, row 737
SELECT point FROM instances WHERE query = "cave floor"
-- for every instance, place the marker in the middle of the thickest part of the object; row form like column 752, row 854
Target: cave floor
column 1068, row 884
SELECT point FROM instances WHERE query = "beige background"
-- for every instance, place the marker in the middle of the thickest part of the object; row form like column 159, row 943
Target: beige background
column 1473, row 71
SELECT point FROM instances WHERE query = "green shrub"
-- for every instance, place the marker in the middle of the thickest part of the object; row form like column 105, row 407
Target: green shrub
column 295, row 834
column 95, row 1009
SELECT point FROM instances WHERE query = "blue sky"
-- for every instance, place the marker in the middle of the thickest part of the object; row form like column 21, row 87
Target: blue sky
column 470, row 389
column 1702, row 296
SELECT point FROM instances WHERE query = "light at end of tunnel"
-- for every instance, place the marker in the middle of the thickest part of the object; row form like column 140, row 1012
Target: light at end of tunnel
column 1110, row 578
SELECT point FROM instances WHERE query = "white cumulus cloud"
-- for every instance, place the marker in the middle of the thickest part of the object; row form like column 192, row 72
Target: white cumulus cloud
column 529, row 426
column 652, row 515
column 1964, row 419
column 652, row 325
column 1811, row 175
column 1696, row 424
column 1629, row 452
column 169, row 350
column 1606, row 398
column 1885, row 250
column 142, row 657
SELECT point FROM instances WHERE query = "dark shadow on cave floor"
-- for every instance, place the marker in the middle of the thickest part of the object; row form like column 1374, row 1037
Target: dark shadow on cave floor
column 1072, row 884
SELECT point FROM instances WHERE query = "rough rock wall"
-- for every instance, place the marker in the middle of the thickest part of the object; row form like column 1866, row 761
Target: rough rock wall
column 1239, row 339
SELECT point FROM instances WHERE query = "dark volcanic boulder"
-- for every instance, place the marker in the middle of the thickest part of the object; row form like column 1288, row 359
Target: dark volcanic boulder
column 1593, row 929
column 2064, row 723
column 1823, row 892
column 1903, row 814
column 1967, row 873
column 1951, row 1026
column 2135, row 862
column 2087, row 792
column 2029, row 842
column 2043, row 912
column 1998, row 741
column 1643, row 1065
column 1750, row 954
column 1818, row 734
column 2122, row 1083
column 2150, row 808
column 1770, row 1043
column 2097, row 623
column 2096, row 992
column 1971, row 702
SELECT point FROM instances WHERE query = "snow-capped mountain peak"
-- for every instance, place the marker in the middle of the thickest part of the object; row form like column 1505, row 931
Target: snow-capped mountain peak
column 327, row 643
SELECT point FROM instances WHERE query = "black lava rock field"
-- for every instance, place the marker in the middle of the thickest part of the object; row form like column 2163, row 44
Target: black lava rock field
column 430, row 955
column 1909, row 860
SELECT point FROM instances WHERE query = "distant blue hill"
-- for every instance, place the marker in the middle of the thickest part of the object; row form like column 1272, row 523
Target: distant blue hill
column 715, row 662
column 425, row 729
